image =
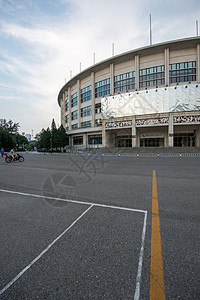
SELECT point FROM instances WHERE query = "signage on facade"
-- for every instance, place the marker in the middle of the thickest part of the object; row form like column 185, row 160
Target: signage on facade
column 152, row 122
column 186, row 119
column 116, row 125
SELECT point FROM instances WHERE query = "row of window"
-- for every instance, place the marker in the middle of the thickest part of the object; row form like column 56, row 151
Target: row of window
column 152, row 82
column 92, row 140
column 182, row 72
column 83, row 125
column 183, row 65
column 102, row 88
column 86, row 94
column 98, row 122
column 180, row 140
column 74, row 100
column 152, row 76
column 179, row 72
column 153, row 70
column 85, row 111
column 182, row 79
column 124, row 82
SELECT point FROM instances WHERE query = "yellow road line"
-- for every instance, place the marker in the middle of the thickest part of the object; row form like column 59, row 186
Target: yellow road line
column 157, row 288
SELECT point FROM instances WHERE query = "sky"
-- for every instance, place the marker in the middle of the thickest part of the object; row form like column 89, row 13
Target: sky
column 44, row 42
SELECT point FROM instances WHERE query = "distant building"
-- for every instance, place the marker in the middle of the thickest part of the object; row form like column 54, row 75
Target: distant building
column 148, row 97
column 28, row 136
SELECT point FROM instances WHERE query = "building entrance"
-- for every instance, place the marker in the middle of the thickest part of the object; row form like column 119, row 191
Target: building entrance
column 184, row 139
column 123, row 141
column 152, row 142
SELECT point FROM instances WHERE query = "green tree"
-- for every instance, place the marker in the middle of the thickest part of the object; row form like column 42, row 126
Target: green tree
column 53, row 125
column 31, row 145
column 43, row 139
column 61, row 139
column 21, row 141
column 57, row 138
column 9, row 136
column 6, row 139
column 9, row 126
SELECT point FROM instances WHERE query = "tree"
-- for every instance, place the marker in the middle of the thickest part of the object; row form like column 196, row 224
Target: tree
column 20, row 141
column 53, row 125
column 6, row 139
column 43, row 139
column 57, row 138
column 9, row 136
column 9, row 126
column 61, row 138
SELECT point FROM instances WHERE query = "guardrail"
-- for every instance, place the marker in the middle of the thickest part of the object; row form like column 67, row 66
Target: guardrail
column 120, row 154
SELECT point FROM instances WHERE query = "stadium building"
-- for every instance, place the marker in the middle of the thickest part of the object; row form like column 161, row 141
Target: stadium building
column 148, row 97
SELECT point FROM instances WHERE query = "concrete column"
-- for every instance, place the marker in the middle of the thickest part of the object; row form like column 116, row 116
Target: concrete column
column 70, row 141
column 198, row 63
column 137, row 71
column 62, row 110
column 134, row 131
column 79, row 102
column 111, row 79
column 103, row 134
column 93, row 98
column 167, row 66
column 138, row 137
column 85, row 143
column 166, row 137
column 70, row 111
column 198, row 136
column 170, row 131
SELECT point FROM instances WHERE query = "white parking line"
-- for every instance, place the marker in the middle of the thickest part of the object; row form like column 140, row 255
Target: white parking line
column 43, row 252
column 73, row 201
column 139, row 271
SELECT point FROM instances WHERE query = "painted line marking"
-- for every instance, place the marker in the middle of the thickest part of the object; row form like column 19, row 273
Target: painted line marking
column 73, row 201
column 157, row 289
column 43, row 252
column 139, row 271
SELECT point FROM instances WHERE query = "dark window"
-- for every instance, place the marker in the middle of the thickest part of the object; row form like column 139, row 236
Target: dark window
column 86, row 124
column 156, row 76
column 77, row 140
column 98, row 108
column 86, row 111
column 98, row 122
column 182, row 72
column 67, row 104
column 74, row 126
column 75, row 115
column 86, row 94
column 102, row 88
column 74, row 99
column 95, row 139
column 124, row 82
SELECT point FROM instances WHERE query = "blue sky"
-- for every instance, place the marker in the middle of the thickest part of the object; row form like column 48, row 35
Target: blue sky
column 41, row 41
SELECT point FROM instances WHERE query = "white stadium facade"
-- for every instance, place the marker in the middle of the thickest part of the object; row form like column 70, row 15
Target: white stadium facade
column 148, row 97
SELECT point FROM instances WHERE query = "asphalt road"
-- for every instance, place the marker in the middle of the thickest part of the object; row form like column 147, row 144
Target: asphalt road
column 90, row 248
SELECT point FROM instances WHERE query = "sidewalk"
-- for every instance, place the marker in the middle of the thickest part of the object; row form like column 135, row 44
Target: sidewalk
column 148, row 150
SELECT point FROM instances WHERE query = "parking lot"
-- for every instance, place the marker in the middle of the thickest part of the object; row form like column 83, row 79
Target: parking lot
column 80, row 226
